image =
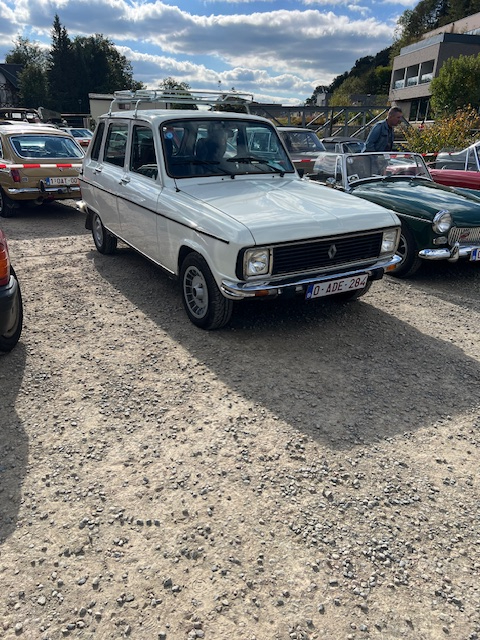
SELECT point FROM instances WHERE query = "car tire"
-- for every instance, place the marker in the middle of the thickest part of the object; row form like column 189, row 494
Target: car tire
column 350, row 296
column 10, row 338
column 408, row 252
column 105, row 241
column 7, row 205
column 206, row 307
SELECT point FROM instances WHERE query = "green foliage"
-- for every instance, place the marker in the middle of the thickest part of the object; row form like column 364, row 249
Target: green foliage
column 448, row 132
column 457, row 84
column 62, row 77
column 170, row 84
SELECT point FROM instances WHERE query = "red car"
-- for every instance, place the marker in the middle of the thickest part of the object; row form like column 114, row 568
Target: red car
column 458, row 168
column 11, row 308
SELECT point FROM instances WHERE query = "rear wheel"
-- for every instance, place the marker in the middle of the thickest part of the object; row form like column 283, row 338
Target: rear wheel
column 408, row 252
column 206, row 307
column 103, row 239
column 7, row 205
column 12, row 335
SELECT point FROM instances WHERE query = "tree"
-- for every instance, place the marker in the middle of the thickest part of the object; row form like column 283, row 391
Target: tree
column 62, row 78
column 32, row 80
column 448, row 132
column 26, row 53
column 170, row 84
column 457, row 85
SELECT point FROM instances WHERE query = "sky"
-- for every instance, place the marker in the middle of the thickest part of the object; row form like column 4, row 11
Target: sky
column 277, row 50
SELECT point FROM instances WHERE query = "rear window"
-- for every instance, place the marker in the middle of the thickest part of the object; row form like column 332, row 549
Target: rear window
column 45, row 146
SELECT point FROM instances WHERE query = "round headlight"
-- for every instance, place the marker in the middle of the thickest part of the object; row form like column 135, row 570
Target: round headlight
column 442, row 221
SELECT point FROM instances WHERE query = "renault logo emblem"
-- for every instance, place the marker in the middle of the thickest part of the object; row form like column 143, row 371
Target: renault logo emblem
column 332, row 251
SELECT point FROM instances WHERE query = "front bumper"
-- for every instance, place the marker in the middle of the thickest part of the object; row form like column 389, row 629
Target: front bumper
column 452, row 254
column 8, row 298
column 292, row 286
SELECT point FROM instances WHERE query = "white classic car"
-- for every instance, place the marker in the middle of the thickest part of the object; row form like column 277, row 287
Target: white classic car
column 192, row 191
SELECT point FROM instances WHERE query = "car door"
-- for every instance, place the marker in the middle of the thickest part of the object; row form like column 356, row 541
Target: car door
column 138, row 193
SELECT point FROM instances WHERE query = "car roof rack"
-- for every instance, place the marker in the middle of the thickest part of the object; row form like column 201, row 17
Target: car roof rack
column 181, row 96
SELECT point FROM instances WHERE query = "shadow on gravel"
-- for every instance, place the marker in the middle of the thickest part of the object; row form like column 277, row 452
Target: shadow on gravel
column 53, row 220
column 13, row 440
column 343, row 373
column 457, row 283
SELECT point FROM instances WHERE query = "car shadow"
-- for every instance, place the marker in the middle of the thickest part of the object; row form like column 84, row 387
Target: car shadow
column 53, row 220
column 456, row 283
column 13, row 440
column 341, row 372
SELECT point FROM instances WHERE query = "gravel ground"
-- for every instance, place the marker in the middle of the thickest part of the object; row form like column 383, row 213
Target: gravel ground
column 309, row 472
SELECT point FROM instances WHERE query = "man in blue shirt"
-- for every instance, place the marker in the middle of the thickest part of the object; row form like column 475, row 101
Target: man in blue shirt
column 381, row 135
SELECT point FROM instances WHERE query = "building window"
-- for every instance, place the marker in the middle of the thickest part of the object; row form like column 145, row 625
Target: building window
column 419, row 110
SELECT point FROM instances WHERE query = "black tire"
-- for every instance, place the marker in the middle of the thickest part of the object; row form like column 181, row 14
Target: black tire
column 7, row 205
column 105, row 242
column 350, row 296
column 10, row 338
column 408, row 252
column 206, row 307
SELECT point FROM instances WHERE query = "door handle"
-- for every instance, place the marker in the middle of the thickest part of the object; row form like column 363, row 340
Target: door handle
column 124, row 180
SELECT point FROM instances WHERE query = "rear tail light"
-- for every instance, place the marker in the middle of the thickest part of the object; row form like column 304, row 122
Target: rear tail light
column 15, row 173
column 4, row 260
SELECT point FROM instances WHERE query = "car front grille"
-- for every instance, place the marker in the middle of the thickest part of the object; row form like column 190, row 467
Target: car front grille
column 326, row 253
column 464, row 235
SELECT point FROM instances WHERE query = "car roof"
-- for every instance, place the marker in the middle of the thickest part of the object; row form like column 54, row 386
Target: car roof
column 342, row 139
column 25, row 127
column 295, row 129
column 157, row 116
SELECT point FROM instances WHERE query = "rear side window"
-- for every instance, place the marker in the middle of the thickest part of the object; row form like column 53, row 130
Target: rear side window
column 97, row 141
column 116, row 143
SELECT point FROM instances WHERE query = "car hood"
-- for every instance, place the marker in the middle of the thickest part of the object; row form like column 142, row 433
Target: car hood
column 281, row 209
column 421, row 198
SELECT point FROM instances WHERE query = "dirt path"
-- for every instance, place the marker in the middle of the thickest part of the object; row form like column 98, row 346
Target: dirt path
column 311, row 471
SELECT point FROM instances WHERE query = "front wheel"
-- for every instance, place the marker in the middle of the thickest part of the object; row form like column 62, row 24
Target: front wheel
column 408, row 252
column 12, row 335
column 104, row 241
column 7, row 205
column 206, row 307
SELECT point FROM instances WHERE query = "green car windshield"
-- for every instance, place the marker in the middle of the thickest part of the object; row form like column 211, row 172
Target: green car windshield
column 370, row 165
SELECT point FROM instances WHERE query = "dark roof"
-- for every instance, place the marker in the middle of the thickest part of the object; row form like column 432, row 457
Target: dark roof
column 11, row 71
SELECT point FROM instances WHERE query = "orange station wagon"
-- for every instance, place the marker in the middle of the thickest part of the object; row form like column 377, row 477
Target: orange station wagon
column 37, row 164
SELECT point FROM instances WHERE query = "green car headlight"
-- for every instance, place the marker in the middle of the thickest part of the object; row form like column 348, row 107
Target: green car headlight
column 442, row 221
column 389, row 241
column 256, row 262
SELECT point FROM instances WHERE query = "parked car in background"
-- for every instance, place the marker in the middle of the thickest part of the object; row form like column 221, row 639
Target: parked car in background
column 303, row 145
column 82, row 136
column 438, row 223
column 458, row 168
column 37, row 164
column 213, row 198
column 343, row 144
column 11, row 307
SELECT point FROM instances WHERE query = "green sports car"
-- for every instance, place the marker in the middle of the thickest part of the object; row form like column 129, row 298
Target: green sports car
column 438, row 222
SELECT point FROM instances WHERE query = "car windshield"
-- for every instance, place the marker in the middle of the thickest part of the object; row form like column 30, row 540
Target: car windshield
column 302, row 141
column 213, row 147
column 45, row 146
column 369, row 165
column 80, row 133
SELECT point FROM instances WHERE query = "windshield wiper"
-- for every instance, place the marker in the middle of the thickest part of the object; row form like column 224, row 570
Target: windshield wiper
column 257, row 160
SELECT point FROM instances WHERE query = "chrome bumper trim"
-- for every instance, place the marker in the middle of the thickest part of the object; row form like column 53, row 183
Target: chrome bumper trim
column 48, row 190
column 240, row 290
column 452, row 255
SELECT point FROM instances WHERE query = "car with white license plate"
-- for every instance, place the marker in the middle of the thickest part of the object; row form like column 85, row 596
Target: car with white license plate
column 38, row 164
column 194, row 192
column 11, row 306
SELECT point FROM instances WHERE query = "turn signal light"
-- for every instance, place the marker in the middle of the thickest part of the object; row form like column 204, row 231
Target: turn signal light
column 4, row 260
column 15, row 173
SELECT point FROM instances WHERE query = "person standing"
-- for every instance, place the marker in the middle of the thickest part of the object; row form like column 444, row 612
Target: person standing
column 381, row 135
